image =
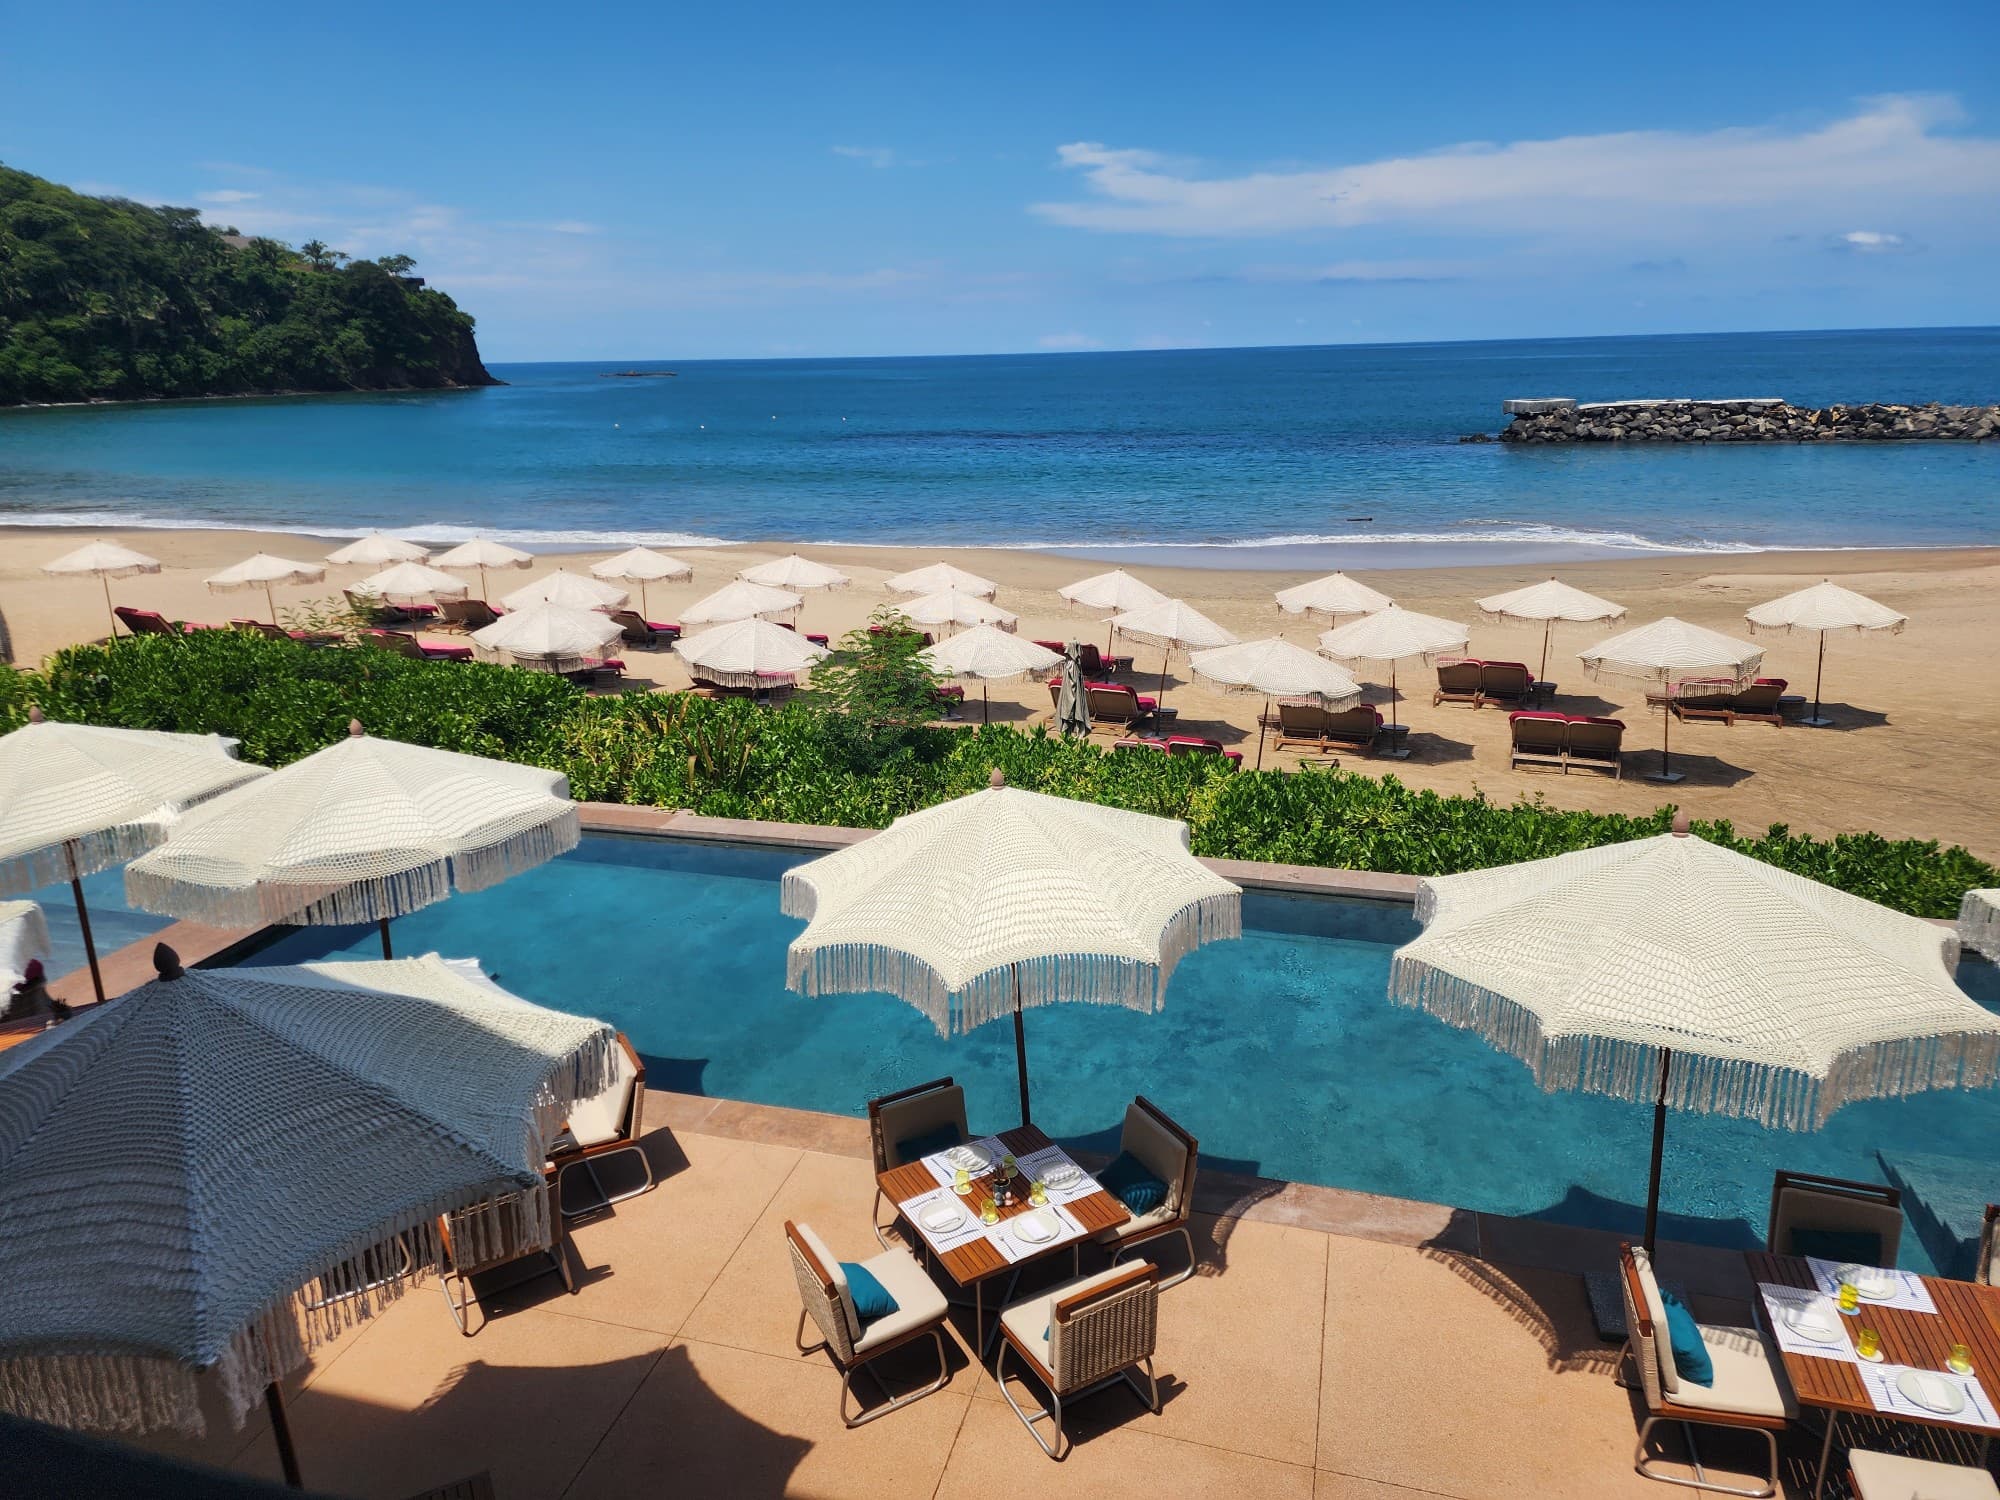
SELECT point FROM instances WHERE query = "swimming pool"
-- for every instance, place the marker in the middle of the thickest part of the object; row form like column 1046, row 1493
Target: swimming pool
column 1281, row 1052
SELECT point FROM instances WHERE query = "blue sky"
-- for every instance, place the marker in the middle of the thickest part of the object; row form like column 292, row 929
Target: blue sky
column 627, row 182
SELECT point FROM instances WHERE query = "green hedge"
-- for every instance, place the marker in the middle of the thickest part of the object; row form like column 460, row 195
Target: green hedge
column 809, row 765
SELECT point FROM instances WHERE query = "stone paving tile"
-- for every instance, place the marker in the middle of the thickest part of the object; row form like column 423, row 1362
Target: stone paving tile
column 1328, row 1485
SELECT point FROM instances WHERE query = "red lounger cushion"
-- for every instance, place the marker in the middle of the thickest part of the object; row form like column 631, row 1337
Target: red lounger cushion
column 1577, row 719
column 447, row 653
column 1543, row 713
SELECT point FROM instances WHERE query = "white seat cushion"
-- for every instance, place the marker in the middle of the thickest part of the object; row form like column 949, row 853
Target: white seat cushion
column 1656, row 1313
column 601, row 1118
column 918, row 1301
column 1159, row 1149
column 1029, row 1318
column 1749, row 1380
column 1152, row 1218
column 1883, row 1476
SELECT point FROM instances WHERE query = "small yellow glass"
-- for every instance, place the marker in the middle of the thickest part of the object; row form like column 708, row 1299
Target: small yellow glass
column 1959, row 1361
column 1850, row 1298
column 1037, row 1194
column 1868, row 1343
column 1008, row 1163
column 989, row 1212
column 962, row 1183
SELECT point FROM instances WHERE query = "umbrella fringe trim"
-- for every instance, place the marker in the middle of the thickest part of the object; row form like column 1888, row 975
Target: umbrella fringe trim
column 721, row 678
column 1776, row 1097
column 98, row 850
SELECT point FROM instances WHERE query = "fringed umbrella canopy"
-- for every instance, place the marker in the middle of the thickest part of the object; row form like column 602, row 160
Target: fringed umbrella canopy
column 547, row 637
column 950, row 909
column 988, row 654
column 1393, row 634
column 1979, row 922
column 263, row 571
column 103, row 560
column 1672, row 650
column 412, row 583
column 484, row 555
column 185, row 1164
column 362, row 831
column 1546, row 603
column 570, row 590
column 1117, row 592
column 643, row 565
column 1823, row 607
column 376, row 550
column 24, row 937
column 799, row 574
column 952, row 608
column 940, row 578
column 748, row 653
column 1172, row 623
column 1332, row 596
column 1667, row 968
column 740, row 601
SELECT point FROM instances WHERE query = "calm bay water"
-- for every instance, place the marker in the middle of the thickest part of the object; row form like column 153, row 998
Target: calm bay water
column 1248, row 456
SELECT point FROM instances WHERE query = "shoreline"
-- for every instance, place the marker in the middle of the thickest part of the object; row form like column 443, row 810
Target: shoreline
column 377, row 390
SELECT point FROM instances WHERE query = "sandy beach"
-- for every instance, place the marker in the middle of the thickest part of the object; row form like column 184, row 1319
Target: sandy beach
column 1914, row 750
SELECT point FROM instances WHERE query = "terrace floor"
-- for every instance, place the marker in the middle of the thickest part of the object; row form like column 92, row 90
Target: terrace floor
column 1333, row 1346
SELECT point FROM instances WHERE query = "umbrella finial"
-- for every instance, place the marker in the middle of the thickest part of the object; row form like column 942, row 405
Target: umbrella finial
column 354, row 729
column 1680, row 825
column 35, row 715
column 998, row 778
column 166, row 962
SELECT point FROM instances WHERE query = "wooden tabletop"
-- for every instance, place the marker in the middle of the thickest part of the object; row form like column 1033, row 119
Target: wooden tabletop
column 1966, row 1314
column 976, row 1259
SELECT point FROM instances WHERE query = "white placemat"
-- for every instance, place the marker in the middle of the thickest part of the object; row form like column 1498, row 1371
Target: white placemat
column 1911, row 1293
column 1781, row 1301
column 1880, row 1383
column 1044, row 1161
column 946, row 1173
column 951, row 1239
column 1002, row 1237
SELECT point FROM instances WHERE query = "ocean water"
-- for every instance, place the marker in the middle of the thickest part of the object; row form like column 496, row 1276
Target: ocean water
column 1245, row 457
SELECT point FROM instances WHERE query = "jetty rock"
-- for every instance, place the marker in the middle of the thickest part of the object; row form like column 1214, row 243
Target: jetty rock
column 1761, row 419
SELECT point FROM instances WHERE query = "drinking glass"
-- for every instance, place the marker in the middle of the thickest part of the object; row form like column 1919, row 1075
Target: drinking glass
column 1959, row 1361
column 1850, row 1298
column 1039, row 1196
column 989, row 1212
column 962, row 1183
column 1867, row 1343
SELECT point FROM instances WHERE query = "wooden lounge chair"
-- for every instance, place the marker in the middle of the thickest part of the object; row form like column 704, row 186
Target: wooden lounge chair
column 1540, row 739
column 607, row 1124
column 1702, row 698
column 1354, row 728
column 1890, row 1476
column 920, row 1313
column 1080, row 1337
column 1749, row 1391
column 1113, row 703
column 949, row 697
column 639, row 631
column 1194, row 744
column 1097, row 663
column 596, row 673
column 466, row 614
column 1303, row 724
column 1507, row 682
column 1834, row 1218
column 375, row 607
column 272, row 632
column 416, row 650
column 914, row 1122
column 1759, row 701
column 1458, row 682
column 1595, row 744
column 1170, row 1154
column 152, row 622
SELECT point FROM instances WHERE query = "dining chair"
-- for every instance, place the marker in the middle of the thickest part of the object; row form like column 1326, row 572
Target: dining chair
column 910, row 1123
column 1835, row 1218
column 919, row 1311
column 1170, row 1154
column 1081, row 1337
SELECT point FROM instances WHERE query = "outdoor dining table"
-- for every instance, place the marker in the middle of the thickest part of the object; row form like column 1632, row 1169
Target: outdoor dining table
column 976, row 1261
column 1966, row 1314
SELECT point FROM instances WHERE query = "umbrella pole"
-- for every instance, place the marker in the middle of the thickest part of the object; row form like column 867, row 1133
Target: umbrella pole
column 1163, row 672
column 1397, row 749
column 281, row 1431
column 1020, row 1045
column 645, row 604
column 1667, row 773
column 382, row 923
column 1260, row 733
column 985, row 709
column 1659, row 1150
column 83, row 921
column 272, row 602
column 105, row 579
column 1547, row 626
column 1818, row 720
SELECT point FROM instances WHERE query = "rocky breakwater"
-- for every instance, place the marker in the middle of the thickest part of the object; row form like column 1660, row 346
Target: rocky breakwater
column 1560, row 419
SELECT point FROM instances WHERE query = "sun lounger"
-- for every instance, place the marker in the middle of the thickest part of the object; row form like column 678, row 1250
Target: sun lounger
column 1759, row 701
column 416, row 650
column 1078, row 1337
column 818, row 638
column 1701, row 698
column 1191, row 744
column 152, row 622
column 601, row 673
column 278, row 632
column 605, row 1125
column 1100, row 663
column 466, row 614
column 900, row 630
column 1595, row 744
column 919, row 1312
column 375, row 607
column 639, row 631
column 1507, row 682
column 1354, row 728
column 1139, row 742
column 1458, row 682
column 1113, row 703
column 1312, row 725
column 1540, row 739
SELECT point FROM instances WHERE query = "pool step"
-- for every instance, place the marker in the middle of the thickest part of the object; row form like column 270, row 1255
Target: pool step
column 1945, row 1198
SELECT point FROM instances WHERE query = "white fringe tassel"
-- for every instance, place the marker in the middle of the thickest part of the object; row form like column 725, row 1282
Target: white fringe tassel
column 49, row 864
column 718, row 678
column 1781, row 1098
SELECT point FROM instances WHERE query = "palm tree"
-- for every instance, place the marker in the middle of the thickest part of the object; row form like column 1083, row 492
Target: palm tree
column 317, row 255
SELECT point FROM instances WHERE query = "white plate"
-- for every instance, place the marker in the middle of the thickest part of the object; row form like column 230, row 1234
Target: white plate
column 967, row 1159
column 1932, row 1392
column 1813, row 1323
column 1871, row 1282
column 940, row 1218
column 1067, row 1175
column 1037, row 1228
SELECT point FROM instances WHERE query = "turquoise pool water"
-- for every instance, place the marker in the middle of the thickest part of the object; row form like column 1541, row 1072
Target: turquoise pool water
column 1281, row 1052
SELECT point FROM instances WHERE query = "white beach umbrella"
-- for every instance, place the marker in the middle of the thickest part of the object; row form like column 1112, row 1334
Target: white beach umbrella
column 547, row 637
column 952, row 608
column 413, row 583
column 1673, row 970
column 106, row 561
column 1547, row 603
column 949, row 909
column 376, row 550
column 362, row 831
column 1393, row 635
column 570, row 590
column 24, row 937
column 1675, row 658
column 941, row 577
column 801, row 575
column 79, row 798
column 1331, row 597
column 748, row 653
column 988, row 654
column 1823, row 607
column 485, row 556
column 1172, row 625
column 263, row 571
column 642, row 565
column 1276, row 669
column 1116, row 592
column 740, row 601
column 194, row 1167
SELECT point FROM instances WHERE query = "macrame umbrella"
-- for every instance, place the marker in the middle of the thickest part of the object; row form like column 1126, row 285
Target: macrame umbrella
column 547, row 638
column 1392, row 635
column 484, row 555
column 79, row 798
column 1172, row 625
column 1979, row 922
column 1678, row 660
column 1823, row 607
column 570, row 590
column 1277, row 669
column 941, row 578
column 1331, row 597
column 1548, row 603
column 749, row 653
column 988, row 654
column 362, row 831
column 1113, row 593
column 1671, row 969
column 642, row 565
column 740, row 601
column 801, row 575
column 107, row 560
column 376, row 550
column 194, row 1166
column 953, row 608
column 24, row 937
column 412, row 583
column 261, row 571
column 949, row 909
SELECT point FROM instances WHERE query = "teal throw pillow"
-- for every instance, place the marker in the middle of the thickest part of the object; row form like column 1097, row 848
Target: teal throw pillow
column 1691, row 1356
column 1862, row 1246
column 871, row 1298
column 1128, row 1180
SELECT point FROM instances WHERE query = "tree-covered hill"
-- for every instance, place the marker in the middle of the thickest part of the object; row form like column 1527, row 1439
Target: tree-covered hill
column 106, row 299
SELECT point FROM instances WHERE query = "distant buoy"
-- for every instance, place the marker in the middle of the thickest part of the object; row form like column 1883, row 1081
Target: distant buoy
column 614, row 424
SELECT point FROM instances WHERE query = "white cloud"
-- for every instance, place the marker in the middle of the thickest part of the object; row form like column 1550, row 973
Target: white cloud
column 1067, row 342
column 875, row 156
column 225, row 195
column 1870, row 242
column 1889, row 148
column 553, row 226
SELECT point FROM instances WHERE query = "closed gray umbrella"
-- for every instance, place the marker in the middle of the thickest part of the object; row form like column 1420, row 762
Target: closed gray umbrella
column 1072, row 702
